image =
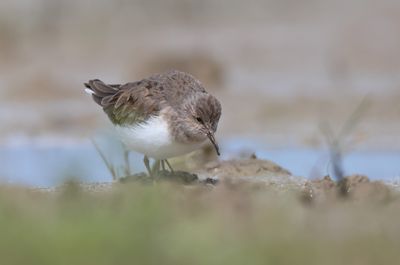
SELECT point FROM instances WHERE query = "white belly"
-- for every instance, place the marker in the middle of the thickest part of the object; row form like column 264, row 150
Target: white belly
column 153, row 139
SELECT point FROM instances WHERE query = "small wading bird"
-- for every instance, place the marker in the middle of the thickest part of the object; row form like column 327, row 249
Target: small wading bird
column 162, row 116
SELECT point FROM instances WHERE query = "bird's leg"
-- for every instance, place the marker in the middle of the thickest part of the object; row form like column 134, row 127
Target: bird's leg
column 156, row 168
column 127, row 166
column 147, row 165
column 169, row 165
column 163, row 165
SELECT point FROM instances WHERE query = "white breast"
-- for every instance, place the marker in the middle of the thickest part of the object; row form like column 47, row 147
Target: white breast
column 153, row 139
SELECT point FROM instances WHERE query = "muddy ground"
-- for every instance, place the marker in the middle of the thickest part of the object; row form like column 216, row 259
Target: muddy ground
column 259, row 174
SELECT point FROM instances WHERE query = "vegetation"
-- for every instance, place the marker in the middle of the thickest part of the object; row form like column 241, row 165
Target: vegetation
column 166, row 223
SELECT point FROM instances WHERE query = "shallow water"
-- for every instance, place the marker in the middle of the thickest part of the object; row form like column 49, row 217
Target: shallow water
column 45, row 165
column 309, row 162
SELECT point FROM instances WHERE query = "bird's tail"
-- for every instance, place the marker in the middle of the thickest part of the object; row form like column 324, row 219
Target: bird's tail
column 101, row 92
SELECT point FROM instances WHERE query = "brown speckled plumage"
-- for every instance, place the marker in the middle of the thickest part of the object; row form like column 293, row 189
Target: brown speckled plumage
column 192, row 113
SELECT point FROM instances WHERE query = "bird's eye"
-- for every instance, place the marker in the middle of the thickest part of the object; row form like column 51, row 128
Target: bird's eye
column 199, row 119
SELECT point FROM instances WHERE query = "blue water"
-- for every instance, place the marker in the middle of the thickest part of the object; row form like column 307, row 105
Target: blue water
column 308, row 162
column 49, row 165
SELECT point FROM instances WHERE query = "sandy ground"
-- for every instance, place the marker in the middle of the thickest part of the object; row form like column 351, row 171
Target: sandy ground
column 261, row 174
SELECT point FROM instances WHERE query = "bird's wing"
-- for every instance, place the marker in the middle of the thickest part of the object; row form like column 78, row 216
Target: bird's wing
column 130, row 103
column 136, row 101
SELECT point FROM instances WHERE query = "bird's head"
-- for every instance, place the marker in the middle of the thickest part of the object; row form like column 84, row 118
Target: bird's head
column 202, row 113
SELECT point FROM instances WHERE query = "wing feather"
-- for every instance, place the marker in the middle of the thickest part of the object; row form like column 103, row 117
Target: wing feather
column 129, row 103
column 134, row 102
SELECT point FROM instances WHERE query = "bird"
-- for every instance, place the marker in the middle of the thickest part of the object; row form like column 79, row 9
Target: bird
column 161, row 116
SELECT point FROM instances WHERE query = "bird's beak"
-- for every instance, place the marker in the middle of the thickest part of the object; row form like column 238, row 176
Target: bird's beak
column 210, row 136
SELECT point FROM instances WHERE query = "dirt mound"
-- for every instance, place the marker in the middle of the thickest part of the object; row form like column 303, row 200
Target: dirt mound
column 243, row 168
column 355, row 187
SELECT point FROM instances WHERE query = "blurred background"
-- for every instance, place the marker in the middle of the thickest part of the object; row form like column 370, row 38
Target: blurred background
column 279, row 67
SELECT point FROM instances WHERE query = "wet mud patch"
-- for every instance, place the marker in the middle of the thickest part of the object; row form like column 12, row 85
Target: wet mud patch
column 182, row 177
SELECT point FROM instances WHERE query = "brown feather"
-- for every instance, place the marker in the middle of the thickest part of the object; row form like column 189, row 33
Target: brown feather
column 136, row 101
